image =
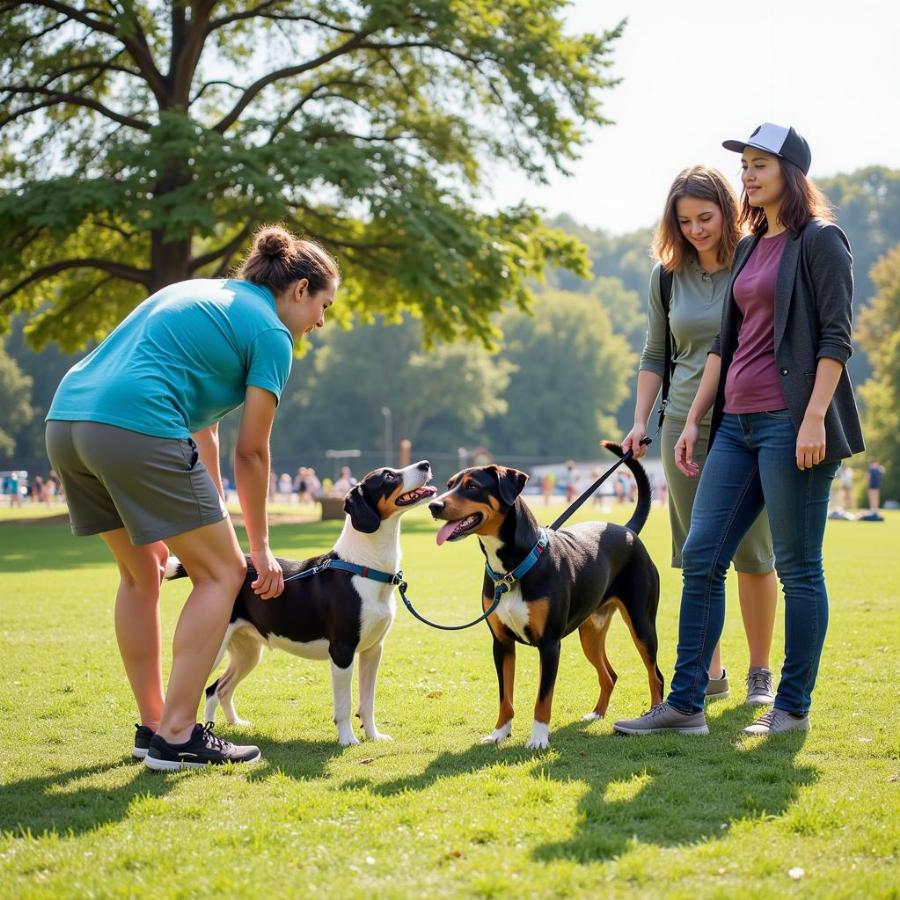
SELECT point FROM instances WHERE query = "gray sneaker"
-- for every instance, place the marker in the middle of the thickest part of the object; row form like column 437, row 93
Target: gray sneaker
column 664, row 718
column 777, row 721
column 760, row 687
column 717, row 688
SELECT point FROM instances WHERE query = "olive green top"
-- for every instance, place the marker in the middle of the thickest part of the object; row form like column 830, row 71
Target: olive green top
column 695, row 312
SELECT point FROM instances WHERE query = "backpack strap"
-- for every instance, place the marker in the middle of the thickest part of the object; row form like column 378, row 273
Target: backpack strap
column 665, row 293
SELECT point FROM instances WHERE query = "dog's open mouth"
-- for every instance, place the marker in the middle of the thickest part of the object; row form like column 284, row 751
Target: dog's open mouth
column 416, row 496
column 453, row 531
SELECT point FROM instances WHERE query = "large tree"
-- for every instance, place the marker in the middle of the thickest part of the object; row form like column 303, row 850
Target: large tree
column 141, row 142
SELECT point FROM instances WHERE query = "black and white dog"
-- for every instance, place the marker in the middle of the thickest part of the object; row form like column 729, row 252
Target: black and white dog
column 333, row 614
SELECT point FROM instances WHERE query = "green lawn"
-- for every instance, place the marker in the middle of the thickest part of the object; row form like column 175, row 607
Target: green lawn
column 435, row 813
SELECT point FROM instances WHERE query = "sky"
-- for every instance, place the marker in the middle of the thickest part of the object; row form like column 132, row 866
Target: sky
column 697, row 73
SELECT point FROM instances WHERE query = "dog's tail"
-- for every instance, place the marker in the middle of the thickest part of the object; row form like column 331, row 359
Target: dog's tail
column 174, row 569
column 645, row 492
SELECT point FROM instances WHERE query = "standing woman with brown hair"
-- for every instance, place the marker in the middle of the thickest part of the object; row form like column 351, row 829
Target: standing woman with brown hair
column 133, row 434
column 695, row 242
column 784, row 415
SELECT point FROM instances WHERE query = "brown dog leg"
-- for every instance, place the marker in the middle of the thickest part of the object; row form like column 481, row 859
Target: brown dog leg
column 593, row 641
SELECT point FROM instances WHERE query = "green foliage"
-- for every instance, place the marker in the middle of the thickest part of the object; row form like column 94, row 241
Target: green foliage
column 572, row 374
column 437, row 397
column 142, row 146
column 15, row 401
column 879, row 334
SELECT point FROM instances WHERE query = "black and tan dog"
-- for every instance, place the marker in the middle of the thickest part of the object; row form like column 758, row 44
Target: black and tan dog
column 586, row 572
column 333, row 615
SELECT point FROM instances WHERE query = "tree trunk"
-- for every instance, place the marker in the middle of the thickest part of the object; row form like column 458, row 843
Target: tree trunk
column 168, row 260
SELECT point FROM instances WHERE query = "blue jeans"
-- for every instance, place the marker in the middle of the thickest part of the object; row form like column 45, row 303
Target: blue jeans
column 752, row 464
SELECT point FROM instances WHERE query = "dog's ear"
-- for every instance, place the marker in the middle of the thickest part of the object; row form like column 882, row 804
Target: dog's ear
column 510, row 483
column 363, row 516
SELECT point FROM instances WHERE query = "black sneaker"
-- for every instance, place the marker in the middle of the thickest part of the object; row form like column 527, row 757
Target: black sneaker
column 203, row 749
column 142, row 736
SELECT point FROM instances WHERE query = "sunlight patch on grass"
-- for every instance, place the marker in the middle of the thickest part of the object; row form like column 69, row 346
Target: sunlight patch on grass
column 625, row 791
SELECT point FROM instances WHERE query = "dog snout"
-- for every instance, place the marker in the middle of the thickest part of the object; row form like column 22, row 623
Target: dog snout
column 423, row 465
column 436, row 507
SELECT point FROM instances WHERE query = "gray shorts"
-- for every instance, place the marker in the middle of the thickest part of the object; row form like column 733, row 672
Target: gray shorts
column 154, row 487
column 754, row 554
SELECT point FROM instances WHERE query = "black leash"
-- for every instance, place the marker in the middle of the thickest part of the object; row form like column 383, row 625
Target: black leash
column 574, row 507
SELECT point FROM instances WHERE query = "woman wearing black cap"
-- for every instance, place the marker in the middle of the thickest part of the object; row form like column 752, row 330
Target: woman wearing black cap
column 783, row 417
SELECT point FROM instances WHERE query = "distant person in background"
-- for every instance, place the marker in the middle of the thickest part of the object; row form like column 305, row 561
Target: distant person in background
column 301, row 485
column 875, row 473
column 547, row 483
column 313, row 485
column 694, row 243
column 133, row 433
column 847, row 499
column 344, row 483
column 285, row 487
column 37, row 489
column 15, row 490
column 783, row 417
column 571, row 483
column 55, row 486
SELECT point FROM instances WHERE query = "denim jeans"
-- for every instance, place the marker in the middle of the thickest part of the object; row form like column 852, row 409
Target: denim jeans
column 752, row 464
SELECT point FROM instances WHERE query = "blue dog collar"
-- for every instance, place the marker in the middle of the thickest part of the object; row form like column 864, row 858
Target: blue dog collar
column 503, row 583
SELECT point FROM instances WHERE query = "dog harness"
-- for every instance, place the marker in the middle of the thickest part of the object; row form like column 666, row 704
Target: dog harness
column 364, row 571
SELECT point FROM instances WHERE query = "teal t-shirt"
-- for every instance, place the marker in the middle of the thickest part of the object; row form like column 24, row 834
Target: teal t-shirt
column 181, row 360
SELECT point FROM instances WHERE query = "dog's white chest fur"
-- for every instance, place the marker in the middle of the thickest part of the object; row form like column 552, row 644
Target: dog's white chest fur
column 376, row 610
column 513, row 612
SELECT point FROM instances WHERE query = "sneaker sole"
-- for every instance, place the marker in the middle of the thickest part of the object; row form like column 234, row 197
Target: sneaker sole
column 768, row 733
column 139, row 752
column 721, row 695
column 699, row 729
column 761, row 700
column 176, row 765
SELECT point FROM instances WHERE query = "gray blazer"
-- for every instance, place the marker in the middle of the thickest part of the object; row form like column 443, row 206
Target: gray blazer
column 813, row 295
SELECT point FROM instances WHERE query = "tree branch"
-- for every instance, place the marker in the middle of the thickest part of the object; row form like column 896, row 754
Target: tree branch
column 290, row 72
column 135, row 44
column 56, row 97
column 116, row 270
column 257, row 12
column 226, row 250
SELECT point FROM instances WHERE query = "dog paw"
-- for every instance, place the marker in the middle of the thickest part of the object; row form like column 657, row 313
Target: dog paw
column 498, row 735
column 346, row 737
column 540, row 737
column 378, row 736
column 592, row 716
column 241, row 723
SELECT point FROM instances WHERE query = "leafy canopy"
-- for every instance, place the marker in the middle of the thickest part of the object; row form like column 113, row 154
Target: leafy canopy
column 142, row 142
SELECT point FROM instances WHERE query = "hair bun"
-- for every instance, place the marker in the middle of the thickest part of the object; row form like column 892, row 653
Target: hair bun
column 274, row 243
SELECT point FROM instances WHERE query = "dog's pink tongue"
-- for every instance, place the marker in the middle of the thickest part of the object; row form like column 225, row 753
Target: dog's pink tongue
column 445, row 532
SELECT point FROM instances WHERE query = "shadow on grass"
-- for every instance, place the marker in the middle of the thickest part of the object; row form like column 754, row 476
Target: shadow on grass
column 665, row 790
column 80, row 800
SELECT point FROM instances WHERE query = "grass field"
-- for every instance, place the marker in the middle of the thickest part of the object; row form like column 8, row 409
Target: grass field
column 435, row 813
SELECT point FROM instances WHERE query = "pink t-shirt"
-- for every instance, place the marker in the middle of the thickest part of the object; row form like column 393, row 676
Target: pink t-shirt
column 752, row 384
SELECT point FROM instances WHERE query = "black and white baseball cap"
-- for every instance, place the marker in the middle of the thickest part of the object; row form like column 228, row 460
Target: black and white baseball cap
column 779, row 140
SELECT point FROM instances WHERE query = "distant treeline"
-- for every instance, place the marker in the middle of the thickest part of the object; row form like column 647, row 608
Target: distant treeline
column 560, row 381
